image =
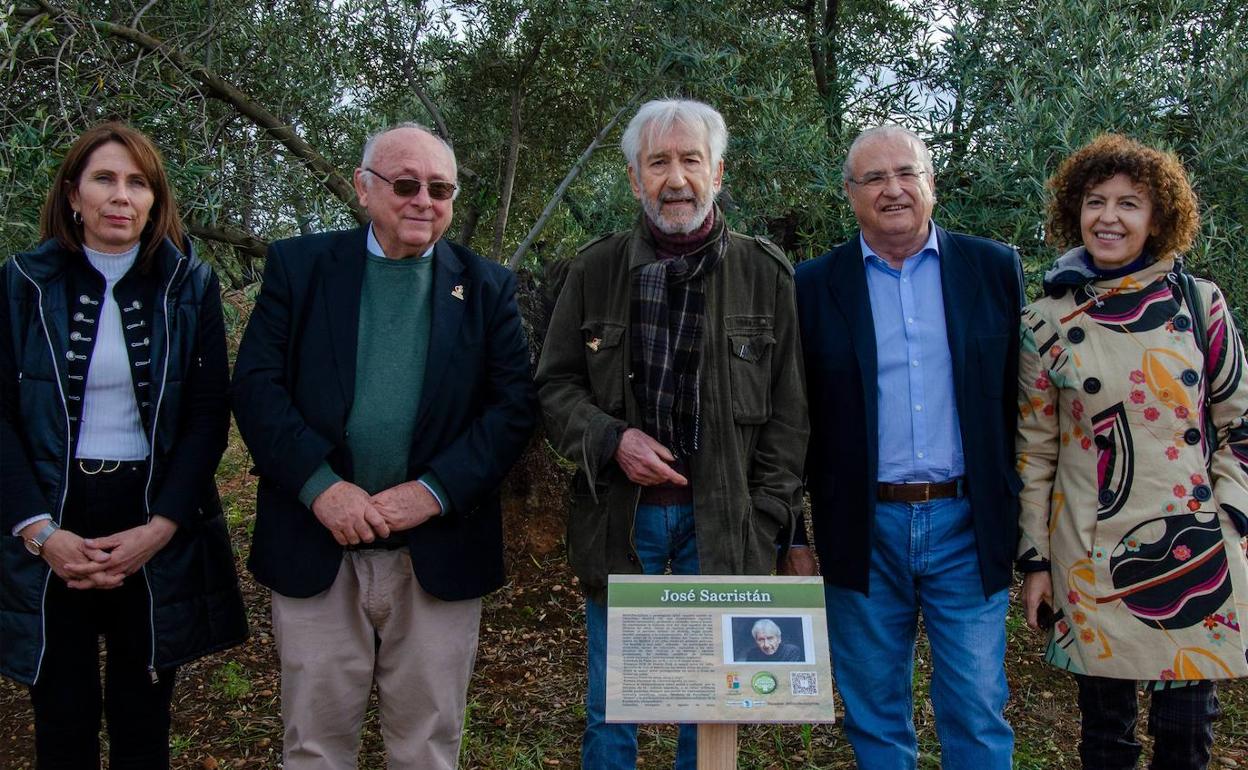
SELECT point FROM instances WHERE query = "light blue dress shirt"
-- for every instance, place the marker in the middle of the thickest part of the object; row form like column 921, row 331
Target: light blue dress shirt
column 919, row 434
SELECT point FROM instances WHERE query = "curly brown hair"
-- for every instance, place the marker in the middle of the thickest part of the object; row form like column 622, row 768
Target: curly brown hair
column 1175, row 211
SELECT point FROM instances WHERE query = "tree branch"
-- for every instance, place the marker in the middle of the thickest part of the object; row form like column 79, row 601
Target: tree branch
column 243, row 241
column 220, row 89
column 572, row 174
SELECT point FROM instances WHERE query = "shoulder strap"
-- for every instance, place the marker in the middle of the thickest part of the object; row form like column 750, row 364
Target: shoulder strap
column 1200, row 329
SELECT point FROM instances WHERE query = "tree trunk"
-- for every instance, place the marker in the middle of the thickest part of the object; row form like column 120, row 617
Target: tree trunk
column 509, row 175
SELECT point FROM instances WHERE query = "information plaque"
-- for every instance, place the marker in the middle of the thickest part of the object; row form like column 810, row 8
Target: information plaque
column 707, row 648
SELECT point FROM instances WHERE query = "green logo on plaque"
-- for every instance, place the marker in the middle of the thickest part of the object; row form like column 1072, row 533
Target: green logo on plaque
column 763, row 683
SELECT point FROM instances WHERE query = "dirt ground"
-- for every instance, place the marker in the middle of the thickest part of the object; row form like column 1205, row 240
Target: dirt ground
column 525, row 699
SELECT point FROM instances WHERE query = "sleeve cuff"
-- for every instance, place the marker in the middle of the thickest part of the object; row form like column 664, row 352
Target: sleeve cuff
column 431, row 483
column 321, row 479
column 24, row 523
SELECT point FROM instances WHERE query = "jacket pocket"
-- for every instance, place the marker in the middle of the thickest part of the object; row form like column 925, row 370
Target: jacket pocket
column 604, row 358
column 751, row 342
column 762, row 530
column 992, row 363
column 587, row 533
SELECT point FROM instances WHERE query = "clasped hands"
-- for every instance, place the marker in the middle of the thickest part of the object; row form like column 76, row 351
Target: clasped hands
column 103, row 562
column 353, row 516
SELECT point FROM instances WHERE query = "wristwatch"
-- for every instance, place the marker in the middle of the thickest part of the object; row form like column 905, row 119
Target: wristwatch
column 35, row 544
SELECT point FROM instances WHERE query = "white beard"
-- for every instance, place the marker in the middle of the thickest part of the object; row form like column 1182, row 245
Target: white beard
column 654, row 209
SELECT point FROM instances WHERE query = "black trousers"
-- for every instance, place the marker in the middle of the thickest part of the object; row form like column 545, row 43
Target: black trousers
column 1180, row 721
column 67, row 697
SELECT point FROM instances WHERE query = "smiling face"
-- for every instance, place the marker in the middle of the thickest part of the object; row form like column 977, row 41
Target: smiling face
column 894, row 218
column 114, row 198
column 1116, row 219
column 767, row 641
column 406, row 227
column 675, row 180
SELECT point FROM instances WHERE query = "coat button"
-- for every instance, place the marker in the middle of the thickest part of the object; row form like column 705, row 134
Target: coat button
column 1190, row 377
column 1075, row 335
column 84, row 299
column 1182, row 323
column 1091, row 385
column 1202, row 492
column 1192, row 435
column 1105, row 497
column 1102, row 442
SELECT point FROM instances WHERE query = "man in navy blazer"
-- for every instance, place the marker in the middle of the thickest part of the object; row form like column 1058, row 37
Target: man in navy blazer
column 910, row 339
column 383, row 389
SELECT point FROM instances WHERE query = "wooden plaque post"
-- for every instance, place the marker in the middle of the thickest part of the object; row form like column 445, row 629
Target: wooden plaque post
column 717, row 747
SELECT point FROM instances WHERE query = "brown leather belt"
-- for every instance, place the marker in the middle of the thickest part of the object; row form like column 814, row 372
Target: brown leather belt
column 918, row 492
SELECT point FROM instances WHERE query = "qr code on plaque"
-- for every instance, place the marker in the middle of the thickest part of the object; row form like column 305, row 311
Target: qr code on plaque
column 804, row 682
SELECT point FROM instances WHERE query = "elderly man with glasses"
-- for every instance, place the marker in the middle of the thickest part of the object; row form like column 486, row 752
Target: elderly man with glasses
column 668, row 378
column 383, row 389
column 910, row 338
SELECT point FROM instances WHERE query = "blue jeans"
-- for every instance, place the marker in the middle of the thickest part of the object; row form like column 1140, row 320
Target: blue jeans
column 923, row 560
column 663, row 536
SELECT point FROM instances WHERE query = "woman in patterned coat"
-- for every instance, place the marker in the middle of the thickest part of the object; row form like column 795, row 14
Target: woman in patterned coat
column 1133, row 449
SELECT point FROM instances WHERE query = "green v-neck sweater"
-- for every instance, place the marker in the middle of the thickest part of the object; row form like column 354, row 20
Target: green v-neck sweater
column 391, row 352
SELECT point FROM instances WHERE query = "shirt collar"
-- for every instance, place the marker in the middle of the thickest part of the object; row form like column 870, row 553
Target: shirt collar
column 932, row 245
column 374, row 247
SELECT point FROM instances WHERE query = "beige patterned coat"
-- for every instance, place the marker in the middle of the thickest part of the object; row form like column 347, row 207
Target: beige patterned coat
column 1143, row 535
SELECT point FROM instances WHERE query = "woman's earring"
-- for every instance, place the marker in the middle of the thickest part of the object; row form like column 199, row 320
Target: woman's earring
column 77, row 217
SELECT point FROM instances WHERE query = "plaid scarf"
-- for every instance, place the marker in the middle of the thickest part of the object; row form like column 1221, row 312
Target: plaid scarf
column 668, row 304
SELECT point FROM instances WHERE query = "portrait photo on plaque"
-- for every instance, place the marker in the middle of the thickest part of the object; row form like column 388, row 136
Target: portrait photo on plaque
column 768, row 639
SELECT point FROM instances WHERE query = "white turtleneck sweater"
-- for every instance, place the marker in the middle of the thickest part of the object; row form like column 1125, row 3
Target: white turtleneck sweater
column 110, row 428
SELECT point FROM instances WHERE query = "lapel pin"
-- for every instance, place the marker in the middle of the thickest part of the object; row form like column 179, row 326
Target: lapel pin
column 458, row 291
column 594, row 344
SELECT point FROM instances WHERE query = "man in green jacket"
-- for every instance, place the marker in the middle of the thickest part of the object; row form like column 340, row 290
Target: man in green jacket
column 671, row 376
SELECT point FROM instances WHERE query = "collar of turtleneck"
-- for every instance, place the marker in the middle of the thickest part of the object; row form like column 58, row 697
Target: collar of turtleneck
column 668, row 245
column 112, row 266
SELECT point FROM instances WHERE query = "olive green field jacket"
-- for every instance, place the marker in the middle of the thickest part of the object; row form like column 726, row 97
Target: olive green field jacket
column 746, row 476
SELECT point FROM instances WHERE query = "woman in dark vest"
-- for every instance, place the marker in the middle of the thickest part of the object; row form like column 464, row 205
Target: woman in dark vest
column 113, row 374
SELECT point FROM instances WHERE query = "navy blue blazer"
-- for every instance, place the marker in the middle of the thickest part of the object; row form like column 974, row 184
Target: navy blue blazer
column 294, row 384
column 982, row 282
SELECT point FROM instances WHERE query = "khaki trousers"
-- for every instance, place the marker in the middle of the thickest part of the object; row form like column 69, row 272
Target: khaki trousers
column 374, row 623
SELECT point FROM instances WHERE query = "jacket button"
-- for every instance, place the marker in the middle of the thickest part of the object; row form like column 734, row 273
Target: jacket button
column 1202, row 492
column 1192, row 435
column 1102, row 442
column 1091, row 385
column 1190, row 377
column 1075, row 335
column 1182, row 323
column 1105, row 497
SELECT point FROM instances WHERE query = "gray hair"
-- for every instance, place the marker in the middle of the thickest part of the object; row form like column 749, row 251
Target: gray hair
column 658, row 116
column 885, row 132
column 370, row 144
column 766, row 626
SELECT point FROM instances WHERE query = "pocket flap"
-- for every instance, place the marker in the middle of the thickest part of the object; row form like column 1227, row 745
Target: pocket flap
column 602, row 334
column 751, row 347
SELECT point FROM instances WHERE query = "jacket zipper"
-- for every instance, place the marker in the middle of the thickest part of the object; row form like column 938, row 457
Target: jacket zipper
column 151, row 467
column 60, row 508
